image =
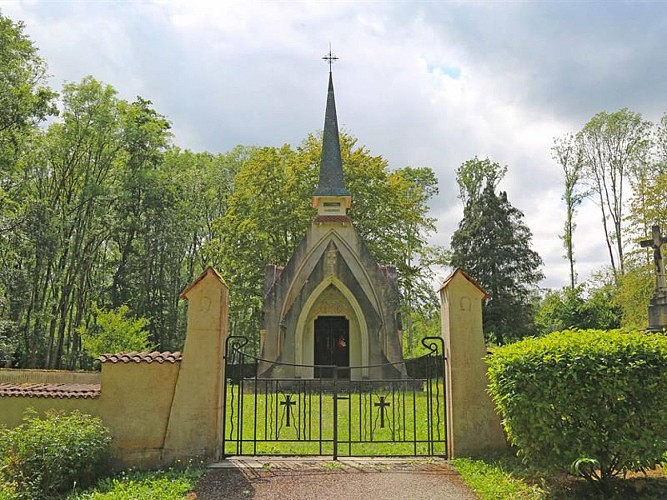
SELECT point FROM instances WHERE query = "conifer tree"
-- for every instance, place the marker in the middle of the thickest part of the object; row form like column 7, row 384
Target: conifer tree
column 493, row 245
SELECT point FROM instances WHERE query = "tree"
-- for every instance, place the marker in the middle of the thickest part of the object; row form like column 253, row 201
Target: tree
column 25, row 99
column 614, row 149
column 68, row 205
column 568, row 155
column 492, row 244
column 577, row 308
column 633, row 294
column 113, row 331
column 661, row 145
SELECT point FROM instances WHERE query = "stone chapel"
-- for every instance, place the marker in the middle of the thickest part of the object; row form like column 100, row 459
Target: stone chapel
column 332, row 304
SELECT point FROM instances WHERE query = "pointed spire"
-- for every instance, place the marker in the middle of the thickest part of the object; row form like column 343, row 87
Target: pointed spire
column 332, row 182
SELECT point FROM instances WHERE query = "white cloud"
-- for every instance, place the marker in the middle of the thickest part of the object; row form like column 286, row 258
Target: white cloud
column 429, row 84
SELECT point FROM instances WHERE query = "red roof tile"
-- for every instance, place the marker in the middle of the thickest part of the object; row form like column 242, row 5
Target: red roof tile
column 332, row 218
column 50, row 390
column 142, row 357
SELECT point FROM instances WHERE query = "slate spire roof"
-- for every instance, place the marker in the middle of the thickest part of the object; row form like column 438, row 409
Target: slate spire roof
column 332, row 182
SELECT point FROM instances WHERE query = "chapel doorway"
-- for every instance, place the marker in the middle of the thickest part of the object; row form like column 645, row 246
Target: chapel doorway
column 332, row 346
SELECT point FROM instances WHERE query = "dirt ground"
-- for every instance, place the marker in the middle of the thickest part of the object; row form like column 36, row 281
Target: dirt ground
column 279, row 478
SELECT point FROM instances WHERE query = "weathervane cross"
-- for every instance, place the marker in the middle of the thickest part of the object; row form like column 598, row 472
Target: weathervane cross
column 330, row 58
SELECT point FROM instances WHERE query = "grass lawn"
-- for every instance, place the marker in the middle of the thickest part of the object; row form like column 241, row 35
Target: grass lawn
column 171, row 484
column 505, row 477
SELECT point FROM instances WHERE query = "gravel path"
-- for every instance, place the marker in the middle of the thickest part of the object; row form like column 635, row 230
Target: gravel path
column 269, row 478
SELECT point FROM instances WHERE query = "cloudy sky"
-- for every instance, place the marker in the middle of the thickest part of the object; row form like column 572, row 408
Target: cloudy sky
column 420, row 83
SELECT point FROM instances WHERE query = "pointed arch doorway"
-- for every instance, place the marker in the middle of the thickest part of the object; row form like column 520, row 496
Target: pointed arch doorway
column 332, row 346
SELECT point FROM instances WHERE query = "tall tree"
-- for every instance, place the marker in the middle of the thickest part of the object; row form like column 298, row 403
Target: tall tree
column 25, row 99
column 72, row 168
column 661, row 145
column 568, row 155
column 492, row 244
column 615, row 147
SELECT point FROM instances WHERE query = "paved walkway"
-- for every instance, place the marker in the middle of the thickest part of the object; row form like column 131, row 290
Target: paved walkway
column 319, row 478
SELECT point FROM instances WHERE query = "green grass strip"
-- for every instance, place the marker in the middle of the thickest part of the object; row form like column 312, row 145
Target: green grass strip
column 172, row 484
column 493, row 480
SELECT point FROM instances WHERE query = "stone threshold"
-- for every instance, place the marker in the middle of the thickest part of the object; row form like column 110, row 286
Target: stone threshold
column 263, row 462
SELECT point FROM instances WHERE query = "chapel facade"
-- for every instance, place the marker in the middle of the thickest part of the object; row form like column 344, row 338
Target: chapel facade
column 332, row 304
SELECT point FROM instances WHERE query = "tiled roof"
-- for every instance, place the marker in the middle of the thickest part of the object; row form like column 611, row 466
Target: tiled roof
column 332, row 218
column 50, row 390
column 142, row 357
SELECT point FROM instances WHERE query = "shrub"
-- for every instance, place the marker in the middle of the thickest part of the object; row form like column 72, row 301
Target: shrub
column 114, row 330
column 591, row 402
column 49, row 455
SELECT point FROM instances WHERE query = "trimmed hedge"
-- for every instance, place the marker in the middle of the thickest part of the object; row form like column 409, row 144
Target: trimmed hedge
column 588, row 401
column 46, row 456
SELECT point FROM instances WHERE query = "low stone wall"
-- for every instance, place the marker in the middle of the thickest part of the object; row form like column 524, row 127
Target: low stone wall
column 158, row 407
column 132, row 395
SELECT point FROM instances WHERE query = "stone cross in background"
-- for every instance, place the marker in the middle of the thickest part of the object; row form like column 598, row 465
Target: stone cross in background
column 657, row 309
column 655, row 243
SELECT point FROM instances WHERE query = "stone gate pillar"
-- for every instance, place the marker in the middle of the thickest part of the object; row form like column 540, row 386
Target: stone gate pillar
column 194, row 427
column 473, row 427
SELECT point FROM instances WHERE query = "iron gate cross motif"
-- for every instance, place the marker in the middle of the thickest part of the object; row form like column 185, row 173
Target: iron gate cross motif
column 346, row 416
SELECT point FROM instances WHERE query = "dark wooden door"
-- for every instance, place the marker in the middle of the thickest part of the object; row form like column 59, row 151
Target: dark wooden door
column 332, row 345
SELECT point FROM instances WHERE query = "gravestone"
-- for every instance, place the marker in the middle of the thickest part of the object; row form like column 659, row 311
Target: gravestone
column 657, row 309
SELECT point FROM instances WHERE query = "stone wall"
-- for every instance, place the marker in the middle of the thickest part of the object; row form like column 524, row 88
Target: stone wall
column 159, row 407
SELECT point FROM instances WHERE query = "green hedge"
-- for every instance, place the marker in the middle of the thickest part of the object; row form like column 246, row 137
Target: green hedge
column 49, row 455
column 588, row 401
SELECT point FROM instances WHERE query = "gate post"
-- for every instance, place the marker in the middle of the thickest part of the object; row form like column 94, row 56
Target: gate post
column 473, row 426
column 194, row 427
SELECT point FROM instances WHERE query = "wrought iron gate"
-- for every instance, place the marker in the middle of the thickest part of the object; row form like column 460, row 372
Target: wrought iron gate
column 334, row 416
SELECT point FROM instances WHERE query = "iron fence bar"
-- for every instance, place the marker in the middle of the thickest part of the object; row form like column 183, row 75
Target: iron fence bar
column 254, row 448
column 349, row 420
column 393, row 412
column 335, row 417
column 414, row 418
column 241, row 405
column 321, row 416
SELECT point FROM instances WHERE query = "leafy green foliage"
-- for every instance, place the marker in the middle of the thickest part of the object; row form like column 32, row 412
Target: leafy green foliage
column 569, row 156
column 614, row 148
column 492, row 479
column 584, row 400
column 25, row 99
column 633, row 295
column 112, row 331
column 48, row 455
column 171, row 484
column 575, row 308
column 492, row 244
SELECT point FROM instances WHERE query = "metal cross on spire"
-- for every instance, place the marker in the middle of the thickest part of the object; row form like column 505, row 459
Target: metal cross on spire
column 330, row 58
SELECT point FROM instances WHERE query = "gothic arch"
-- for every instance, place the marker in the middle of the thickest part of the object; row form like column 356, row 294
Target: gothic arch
column 301, row 356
